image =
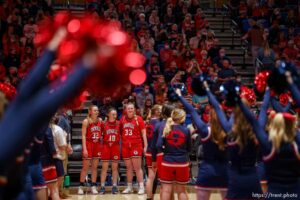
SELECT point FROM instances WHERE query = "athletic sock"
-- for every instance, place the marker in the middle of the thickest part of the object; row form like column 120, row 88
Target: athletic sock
column 141, row 184
column 129, row 185
column 94, row 184
column 102, row 184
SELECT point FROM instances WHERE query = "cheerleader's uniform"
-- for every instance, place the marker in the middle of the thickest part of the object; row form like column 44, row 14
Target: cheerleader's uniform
column 212, row 171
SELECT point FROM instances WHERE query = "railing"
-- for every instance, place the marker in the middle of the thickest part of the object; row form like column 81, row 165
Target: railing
column 258, row 65
column 234, row 31
column 224, row 15
column 245, row 46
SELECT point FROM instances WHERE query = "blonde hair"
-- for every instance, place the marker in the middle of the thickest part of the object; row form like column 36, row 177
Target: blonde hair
column 177, row 116
column 152, row 113
column 89, row 113
column 242, row 131
column 217, row 133
column 3, row 103
column 281, row 130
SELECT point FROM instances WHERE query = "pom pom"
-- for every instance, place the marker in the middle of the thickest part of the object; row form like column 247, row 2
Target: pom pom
column 248, row 94
column 8, row 90
column 284, row 98
column 117, row 64
column 260, row 81
column 230, row 92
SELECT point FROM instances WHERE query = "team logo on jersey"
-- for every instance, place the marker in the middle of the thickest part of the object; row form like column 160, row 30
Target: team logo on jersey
column 149, row 131
column 176, row 138
column 135, row 153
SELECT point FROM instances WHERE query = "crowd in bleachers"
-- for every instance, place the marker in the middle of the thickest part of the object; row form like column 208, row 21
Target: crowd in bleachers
column 272, row 27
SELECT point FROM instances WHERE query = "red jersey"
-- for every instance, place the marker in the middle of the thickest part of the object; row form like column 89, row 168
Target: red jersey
column 93, row 132
column 111, row 132
column 131, row 129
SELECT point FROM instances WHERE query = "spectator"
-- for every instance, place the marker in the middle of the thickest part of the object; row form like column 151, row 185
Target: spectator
column 141, row 22
column 194, row 41
column 169, row 18
column 267, row 56
column 218, row 60
column 154, row 19
column 142, row 96
column 290, row 51
column 204, row 61
column 255, row 34
column 226, row 73
column 200, row 21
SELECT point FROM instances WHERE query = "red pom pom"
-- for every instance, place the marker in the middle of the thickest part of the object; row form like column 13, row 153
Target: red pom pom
column 8, row 90
column 284, row 98
column 248, row 94
column 261, row 81
column 116, row 62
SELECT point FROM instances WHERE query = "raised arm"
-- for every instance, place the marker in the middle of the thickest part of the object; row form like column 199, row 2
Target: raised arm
column 262, row 117
column 37, row 112
column 293, row 88
column 278, row 107
column 257, row 128
column 221, row 115
column 201, row 126
column 39, row 72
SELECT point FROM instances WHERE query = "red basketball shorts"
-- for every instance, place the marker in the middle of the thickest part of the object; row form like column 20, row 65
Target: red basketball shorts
column 49, row 174
column 110, row 152
column 175, row 172
column 94, row 150
column 131, row 150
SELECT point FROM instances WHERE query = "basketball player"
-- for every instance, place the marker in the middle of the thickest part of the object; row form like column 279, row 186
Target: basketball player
column 152, row 119
column 91, row 147
column 134, row 143
column 111, row 149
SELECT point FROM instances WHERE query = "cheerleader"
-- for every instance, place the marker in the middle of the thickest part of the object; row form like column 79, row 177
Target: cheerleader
column 176, row 141
column 242, row 150
column 212, row 172
column 111, row 149
column 134, row 143
column 91, row 147
column 280, row 150
column 152, row 119
column 157, row 153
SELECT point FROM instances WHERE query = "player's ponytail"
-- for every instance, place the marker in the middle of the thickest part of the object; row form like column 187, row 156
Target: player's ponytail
column 177, row 116
column 168, row 127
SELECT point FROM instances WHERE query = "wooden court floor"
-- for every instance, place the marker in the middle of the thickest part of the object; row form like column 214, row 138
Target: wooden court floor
column 108, row 196
column 192, row 196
